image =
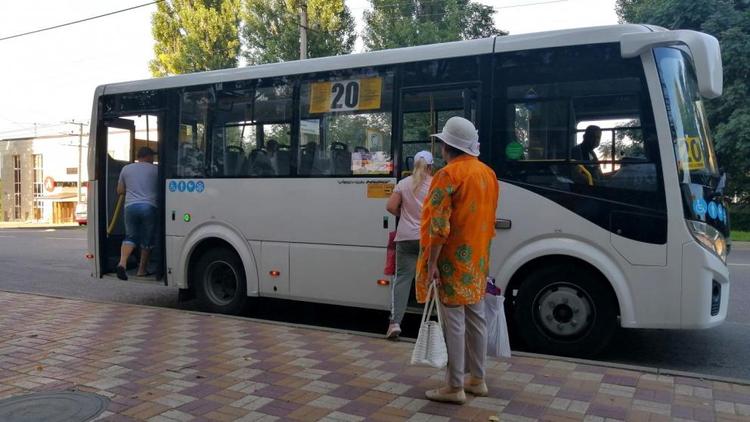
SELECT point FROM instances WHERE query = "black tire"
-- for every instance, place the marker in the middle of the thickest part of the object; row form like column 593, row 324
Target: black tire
column 219, row 280
column 565, row 310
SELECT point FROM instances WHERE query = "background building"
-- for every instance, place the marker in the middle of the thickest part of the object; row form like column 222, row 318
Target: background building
column 41, row 177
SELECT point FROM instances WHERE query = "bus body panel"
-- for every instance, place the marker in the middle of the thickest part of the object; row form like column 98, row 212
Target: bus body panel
column 216, row 229
column 344, row 275
column 539, row 228
column 274, row 269
column 92, row 196
column 295, row 210
column 343, row 251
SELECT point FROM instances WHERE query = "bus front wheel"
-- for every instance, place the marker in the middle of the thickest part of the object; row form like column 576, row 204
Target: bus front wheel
column 565, row 310
column 220, row 281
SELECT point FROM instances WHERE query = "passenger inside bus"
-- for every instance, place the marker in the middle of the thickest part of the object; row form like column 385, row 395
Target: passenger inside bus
column 585, row 152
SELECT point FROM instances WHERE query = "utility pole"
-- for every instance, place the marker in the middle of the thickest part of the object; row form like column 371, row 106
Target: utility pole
column 80, row 154
column 303, row 30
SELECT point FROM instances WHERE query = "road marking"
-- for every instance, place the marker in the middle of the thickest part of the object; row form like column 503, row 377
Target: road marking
column 6, row 236
column 739, row 265
column 64, row 238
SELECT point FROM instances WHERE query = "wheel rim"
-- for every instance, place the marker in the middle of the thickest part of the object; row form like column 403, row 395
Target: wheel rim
column 221, row 282
column 564, row 311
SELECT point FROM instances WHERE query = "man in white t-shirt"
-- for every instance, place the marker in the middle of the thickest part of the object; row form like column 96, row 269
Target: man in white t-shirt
column 139, row 183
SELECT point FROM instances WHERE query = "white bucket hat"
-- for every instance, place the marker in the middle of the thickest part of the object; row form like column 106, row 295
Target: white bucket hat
column 423, row 155
column 460, row 134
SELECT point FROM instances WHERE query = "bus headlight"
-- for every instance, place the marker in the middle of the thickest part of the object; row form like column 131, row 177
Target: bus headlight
column 710, row 238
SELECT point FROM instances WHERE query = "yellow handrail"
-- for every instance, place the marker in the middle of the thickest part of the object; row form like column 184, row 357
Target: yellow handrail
column 586, row 174
column 118, row 207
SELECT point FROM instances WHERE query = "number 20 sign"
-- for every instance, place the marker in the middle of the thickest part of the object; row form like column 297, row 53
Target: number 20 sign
column 353, row 94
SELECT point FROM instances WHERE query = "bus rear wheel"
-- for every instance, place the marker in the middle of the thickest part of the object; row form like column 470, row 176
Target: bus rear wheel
column 565, row 310
column 220, row 281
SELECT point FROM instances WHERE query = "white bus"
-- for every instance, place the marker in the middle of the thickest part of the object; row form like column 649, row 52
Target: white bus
column 274, row 178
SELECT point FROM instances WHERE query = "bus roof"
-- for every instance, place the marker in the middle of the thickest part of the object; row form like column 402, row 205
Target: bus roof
column 600, row 34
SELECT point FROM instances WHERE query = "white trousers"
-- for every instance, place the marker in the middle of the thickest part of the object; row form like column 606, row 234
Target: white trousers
column 466, row 339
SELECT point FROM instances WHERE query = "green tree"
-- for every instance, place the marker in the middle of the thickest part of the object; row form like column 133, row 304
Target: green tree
column 195, row 35
column 398, row 23
column 729, row 115
column 271, row 29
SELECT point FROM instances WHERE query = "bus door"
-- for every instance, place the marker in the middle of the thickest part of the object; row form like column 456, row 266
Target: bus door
column 424, row 112
column 124, row 136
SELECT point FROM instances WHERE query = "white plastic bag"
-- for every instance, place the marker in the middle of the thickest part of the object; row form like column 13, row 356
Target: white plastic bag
column 430, row 348
column 498, row 343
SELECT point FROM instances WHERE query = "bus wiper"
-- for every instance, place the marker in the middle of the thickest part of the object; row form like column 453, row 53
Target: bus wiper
column 719, row 191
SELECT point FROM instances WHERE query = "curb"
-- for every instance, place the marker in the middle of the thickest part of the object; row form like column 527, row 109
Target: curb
column 70, row 227
column 614, row 365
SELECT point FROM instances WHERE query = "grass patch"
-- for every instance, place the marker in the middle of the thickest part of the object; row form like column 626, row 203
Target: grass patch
column 740, row 236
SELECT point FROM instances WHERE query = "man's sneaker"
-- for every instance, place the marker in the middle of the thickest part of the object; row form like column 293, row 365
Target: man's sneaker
column 121, row 274
column 394, row 330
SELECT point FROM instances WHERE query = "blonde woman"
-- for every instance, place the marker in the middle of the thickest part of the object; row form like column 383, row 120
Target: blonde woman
column 406, row 203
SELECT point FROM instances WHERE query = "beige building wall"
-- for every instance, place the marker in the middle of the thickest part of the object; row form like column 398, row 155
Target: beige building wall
column 60, row 162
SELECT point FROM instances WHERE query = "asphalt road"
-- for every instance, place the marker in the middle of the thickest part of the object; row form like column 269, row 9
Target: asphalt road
column 53, row 262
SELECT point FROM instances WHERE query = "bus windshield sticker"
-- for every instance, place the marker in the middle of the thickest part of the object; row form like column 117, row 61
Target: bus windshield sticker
column 379, row 190
column 692, row 149
column 200, row 186
column 348, row 95
column 173, row 186
column 713, row 210
column 190, row 185
column 181, row 186
column 700, row 207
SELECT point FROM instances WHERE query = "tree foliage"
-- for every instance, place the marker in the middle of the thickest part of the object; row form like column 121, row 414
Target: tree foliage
column 729, row 115
column 271, row 29
column 399, row 23
column 195, row 35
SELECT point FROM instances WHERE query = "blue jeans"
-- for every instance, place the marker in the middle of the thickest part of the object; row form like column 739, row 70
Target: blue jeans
column 140, row 225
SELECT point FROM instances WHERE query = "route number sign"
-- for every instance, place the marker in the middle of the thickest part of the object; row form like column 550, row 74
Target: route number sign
column 348, row 95
column 693, row 150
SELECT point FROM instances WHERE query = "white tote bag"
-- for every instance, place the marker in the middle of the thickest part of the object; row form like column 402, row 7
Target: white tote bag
column 430, row 349
column 498, row 343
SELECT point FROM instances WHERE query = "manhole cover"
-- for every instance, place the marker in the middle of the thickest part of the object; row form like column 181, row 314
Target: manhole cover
column 65, row 406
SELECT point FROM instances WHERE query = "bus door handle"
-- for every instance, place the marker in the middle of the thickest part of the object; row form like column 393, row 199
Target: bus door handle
column 502, row 224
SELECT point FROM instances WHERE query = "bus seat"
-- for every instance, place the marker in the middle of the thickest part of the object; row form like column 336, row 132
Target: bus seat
column 341, row 159
column 260, row 164
column 282, row 161
column 307, row 159
column 235, row 160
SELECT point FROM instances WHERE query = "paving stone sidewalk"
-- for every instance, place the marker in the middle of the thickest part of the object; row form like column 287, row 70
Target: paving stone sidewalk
column 170, row 365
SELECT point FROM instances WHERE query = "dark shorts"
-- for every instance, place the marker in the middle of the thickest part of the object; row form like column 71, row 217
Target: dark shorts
column 140, row 225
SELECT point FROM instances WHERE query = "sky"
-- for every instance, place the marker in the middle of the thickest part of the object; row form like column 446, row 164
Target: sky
column 48, row 78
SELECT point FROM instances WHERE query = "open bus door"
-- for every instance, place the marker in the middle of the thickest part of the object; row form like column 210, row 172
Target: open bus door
column 124, row 136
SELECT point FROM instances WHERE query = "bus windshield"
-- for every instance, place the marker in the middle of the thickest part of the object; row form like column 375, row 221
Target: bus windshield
column 697, row 167
column 693, row 146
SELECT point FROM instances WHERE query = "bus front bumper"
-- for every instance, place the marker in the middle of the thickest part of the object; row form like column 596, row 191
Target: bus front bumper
column 705, row 288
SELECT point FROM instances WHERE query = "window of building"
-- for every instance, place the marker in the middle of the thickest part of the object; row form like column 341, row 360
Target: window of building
column 345, row 126
column 16, row 187
column 38, row 186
